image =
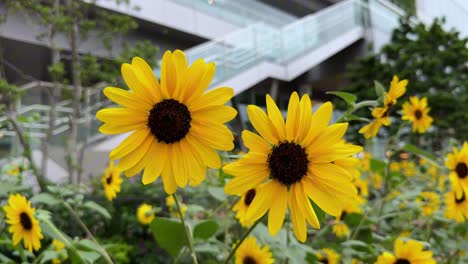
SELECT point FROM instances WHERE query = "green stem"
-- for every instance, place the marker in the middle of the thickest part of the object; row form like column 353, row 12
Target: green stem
column 187, row 232
column 21, row 252
column 101, row 250
column 233, row 251
column 63, row 239
column 354, row 108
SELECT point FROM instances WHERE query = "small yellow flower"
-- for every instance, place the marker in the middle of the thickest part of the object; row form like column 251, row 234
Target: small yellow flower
column 23, row 225
column 376, row 180
column 242, row 205
column 409, row 168
column 429, row 202
column 422, row 161
column 417, row 112
column 14, row 171
column 397, row 90
column 457, row 162
column 145, row 214
column 372, row 129
column 340, row 229
column 58, row 245
column 170, row 203
column 328, row 255
column 405, row 233
column 250, row 252
column 111, row 181
column 365, row 161
column 395, row 166
column 409, row 252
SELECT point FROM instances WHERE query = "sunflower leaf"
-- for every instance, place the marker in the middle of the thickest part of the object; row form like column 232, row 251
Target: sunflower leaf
column 379, row 89
column 45, row 198
column 169, row 234
column 99, row 209
column 205, row 230
column 349, row 98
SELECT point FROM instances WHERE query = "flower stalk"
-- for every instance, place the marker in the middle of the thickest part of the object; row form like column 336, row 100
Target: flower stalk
column 187, row 232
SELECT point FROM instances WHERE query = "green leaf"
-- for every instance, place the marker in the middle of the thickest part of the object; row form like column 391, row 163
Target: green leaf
column 205, row 230
column 6, row 188
column 349, row 98
column 169, row 234
column 377, row 165
column 421, row 153
column 379, row 89
column 319, row 212
column 45, row 198
column 89, row 256
column 99, row 209
column 5, row 259
column 218, row 193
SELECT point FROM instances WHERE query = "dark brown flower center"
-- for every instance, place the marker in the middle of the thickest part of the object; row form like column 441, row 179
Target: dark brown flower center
column 249, row 260
column 249, row 196
column 288, row 162
column 25, row 221
column 343, row 215
column 323, row 260
column 109, row 179
column 418, row 114
column 402, row 261
column 358, row 190
column 462, row 170
column 169, row 121
column 461, row 199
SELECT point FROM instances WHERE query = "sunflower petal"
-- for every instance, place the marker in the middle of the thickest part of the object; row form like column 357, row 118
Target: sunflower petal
column 129, row 144
column 218, row 96
column 276, row 117
column 292, row 121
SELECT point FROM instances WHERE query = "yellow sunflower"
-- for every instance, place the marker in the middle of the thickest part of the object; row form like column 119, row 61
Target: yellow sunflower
column 111, row 181
column 242, row 205
column 381, row 117
column 376, row 180
column 58, row 246
column 176, row 127
column 291, row 162
column 249, row 252
column 171, row 205
column 457, row 162
column 456, row 207
column 350, row 164
column 395, row 166
column 328, row 255
column 417, row 112
column 397, row 89
column 429, row 202
column 145, row 214
column 14, row 171
column 362, row 187
column 340, row 229
column 23, row 225
column 409, row 252
column 409, row 168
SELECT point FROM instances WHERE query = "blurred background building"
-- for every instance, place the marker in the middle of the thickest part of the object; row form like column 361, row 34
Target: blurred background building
column 259, row 47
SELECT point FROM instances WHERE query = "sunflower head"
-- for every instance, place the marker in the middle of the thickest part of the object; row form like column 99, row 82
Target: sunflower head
column 14, row 171
column 176, row 126
column 328, row 255
column 111, row 181
column 429, row 202
column 249, row 252
column 376, row 180
column 292, row 161
column 23, row 225
column 397, row 89
column 456, row 206
column 457, row 162
column 145, row 214
column 242, row 205
column 340, row 229
column 409, row 252
column 417, row 112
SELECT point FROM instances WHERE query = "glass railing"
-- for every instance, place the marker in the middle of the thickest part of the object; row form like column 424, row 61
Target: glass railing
column 240, row 12
column 260, row 42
